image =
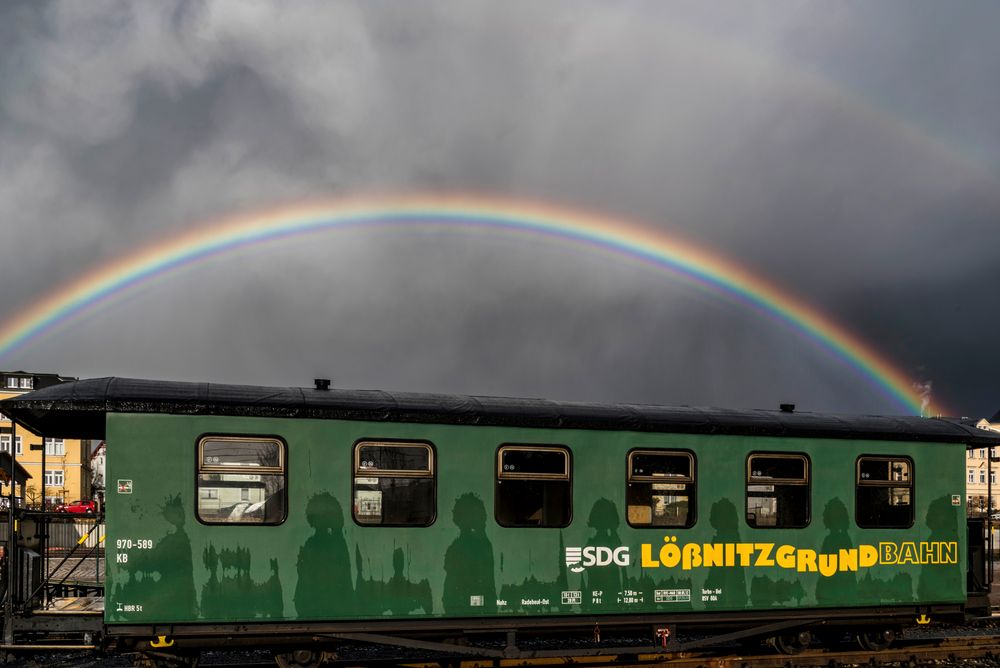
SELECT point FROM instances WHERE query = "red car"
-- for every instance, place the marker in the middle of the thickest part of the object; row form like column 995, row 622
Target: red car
column 77, row 507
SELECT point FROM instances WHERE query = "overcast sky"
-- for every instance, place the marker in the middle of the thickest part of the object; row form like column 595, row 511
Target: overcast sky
column 848, row 152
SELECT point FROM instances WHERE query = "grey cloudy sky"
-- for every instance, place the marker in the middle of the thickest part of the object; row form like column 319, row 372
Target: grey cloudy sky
column 847, row 152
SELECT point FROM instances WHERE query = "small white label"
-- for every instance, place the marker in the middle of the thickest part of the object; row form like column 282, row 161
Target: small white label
column 572, row 597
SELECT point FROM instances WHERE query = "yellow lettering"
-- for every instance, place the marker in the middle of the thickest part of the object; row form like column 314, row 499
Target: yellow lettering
column 786, row 556
column 908, row 553
column 827, row 564
column 867, row 556
column 691, row 555
column 745, row 550
column 764, row 554
column 888, row 553
column 647, row 557
column 806, row 561
column 712, row 555
column 949, row 553
column 730, row 555
column 848, row 560
column 670, row 555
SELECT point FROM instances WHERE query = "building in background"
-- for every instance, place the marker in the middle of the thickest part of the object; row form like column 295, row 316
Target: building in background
column 66, row 474
column 980, row 477
column 98, row 461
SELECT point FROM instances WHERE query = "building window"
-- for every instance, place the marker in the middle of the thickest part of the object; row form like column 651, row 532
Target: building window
column 55, row 447
column 982, row 476
column 53, row 478
column 972, row 476
column 778, row 491
column 241, row 480
column 533, row 486
column 12, row 382
column 5, row 444
column 25, row 383
column 394, row 484
column 884, row 492
column 659, row 490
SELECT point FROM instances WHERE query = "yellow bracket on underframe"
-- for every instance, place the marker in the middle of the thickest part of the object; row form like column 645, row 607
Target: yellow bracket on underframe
column 923, row 619
column 161, row 641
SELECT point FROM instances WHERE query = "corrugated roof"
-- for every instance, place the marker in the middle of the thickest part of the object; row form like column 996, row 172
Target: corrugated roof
column 78, row 410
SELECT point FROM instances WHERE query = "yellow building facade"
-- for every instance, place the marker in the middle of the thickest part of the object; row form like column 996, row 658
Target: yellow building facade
column 62, row 466
column 981, row 477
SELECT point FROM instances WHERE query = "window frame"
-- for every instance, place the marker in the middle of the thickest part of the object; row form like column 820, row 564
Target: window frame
column 692, row 480
column 53, row 473
column 56, row 445
column 911, row 484
column 499, row 475
column 750, row 480
column 432, row 473
column 282, row 470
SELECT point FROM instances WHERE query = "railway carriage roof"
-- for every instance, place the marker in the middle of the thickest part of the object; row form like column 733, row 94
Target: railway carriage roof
column 78, row 410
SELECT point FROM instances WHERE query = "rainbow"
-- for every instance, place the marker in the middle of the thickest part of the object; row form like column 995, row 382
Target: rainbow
column 74, row 299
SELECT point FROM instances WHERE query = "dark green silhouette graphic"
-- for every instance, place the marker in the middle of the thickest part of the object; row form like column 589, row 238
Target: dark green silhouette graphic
column 533, row 589
column 469, row 584
column 324, row 567
column 896, row 589
column 398, row 596
column 161, row 579
column 842, row 586
column 765, row 592
column 730, row 582
column 602, row 585
column 235, row 589
column 942, row 581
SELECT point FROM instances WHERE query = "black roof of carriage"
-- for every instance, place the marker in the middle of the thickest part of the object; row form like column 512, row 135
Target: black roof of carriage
column 77, row 410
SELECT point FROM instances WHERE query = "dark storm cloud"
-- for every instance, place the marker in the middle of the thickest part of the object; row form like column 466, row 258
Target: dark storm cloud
column 848, row 153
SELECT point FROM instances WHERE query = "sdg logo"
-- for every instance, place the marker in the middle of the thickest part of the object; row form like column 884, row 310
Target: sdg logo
column 579, row 558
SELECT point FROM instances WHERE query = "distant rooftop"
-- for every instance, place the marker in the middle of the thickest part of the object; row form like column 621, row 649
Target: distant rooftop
column 26, row 381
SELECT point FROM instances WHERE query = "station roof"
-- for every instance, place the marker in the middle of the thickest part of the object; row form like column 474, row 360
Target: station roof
column 21, row 474
column 78, row 410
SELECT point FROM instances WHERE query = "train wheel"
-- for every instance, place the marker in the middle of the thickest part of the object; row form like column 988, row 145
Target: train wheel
column 791, row 643
column 300, row 658
column 876, row 641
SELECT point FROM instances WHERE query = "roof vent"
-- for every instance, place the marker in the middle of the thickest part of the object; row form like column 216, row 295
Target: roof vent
column 787, row 408
column 322, row 383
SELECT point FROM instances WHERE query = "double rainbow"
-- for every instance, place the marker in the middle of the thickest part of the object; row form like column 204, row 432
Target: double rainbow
column 74, row 299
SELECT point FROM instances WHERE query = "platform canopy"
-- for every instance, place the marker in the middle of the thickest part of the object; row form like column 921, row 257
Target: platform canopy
column 21, row 474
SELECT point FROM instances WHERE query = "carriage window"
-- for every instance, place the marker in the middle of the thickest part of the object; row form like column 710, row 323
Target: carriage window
column 533, row 486
column 394, row 484
column 660, row 488
column 777, row 491
column 241, row 480
column 884, row 493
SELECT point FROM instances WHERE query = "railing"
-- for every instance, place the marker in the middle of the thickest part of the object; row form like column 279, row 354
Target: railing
column 63, row 556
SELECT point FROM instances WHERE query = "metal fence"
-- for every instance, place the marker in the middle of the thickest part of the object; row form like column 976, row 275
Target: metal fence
column 64, row 533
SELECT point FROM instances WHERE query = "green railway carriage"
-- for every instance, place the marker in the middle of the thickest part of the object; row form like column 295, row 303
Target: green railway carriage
column 275, row 511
